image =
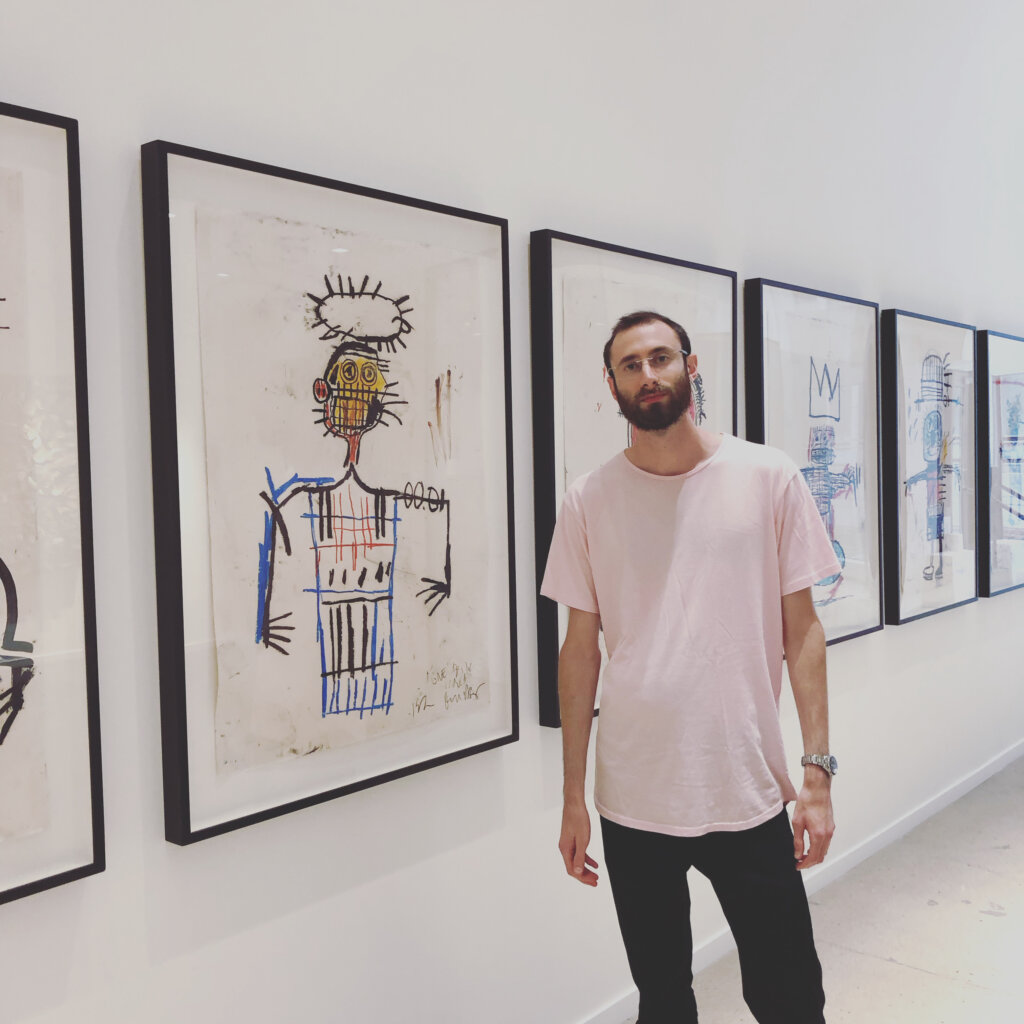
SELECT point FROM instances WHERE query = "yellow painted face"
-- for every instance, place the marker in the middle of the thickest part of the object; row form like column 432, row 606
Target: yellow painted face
column 351, row 393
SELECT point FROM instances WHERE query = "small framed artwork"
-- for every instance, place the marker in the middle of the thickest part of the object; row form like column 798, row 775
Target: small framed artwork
column 1000, row 462
column 579, row 288
column 51, row 799
column 812, row 391
column 329, row 382
column 930, row 466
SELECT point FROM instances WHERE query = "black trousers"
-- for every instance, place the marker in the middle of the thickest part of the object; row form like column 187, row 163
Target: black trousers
column 762, row 894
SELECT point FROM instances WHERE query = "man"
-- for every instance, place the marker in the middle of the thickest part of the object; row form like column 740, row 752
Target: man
column 695, row 553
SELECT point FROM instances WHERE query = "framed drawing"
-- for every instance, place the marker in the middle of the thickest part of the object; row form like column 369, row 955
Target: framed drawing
column 51, row 802
column 578, row 290
column 1000, row 462
column 929, row 468
column 812, row 390
column 329, row 380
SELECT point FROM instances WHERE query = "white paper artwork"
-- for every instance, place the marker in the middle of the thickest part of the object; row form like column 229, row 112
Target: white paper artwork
column 937, row 468
column 24, row 794
column 821, row 408
column 353, row 559
column 1006, row 459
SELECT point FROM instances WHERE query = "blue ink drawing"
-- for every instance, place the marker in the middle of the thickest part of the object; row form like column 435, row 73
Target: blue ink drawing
column 935, row 394
column 825, row 485
column 348, row 529
column 1011, row 456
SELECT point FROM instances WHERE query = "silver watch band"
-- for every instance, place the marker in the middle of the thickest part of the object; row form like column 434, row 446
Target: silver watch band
column 826, row 762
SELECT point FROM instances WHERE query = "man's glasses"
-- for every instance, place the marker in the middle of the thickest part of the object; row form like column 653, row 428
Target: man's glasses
column 632, row 369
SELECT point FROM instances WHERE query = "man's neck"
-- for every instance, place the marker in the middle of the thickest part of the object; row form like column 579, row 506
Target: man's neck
column 672, row 451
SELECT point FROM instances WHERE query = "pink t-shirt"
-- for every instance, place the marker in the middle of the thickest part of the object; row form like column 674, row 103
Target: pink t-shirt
column 687, row 573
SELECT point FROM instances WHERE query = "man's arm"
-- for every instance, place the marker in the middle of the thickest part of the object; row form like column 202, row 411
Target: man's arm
column 803, row 640
column 579, row 664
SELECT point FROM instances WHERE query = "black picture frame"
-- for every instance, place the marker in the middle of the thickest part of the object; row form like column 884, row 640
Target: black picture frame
column 845, row 330
column 194, row 808
column 939, row 386
column 43, row 148
column 998, row 460
column 649, row 277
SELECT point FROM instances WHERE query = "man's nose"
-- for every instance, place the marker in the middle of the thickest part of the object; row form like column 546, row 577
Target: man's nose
column 647, row 371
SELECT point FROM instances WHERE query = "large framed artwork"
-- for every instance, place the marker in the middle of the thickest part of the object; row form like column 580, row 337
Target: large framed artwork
column 812, row 390
column 51, row 802
column 578, row 290
column 329, row 380
column 1000, row 396
column 929, row 466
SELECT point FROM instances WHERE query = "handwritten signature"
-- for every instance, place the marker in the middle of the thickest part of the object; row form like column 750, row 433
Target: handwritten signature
column 446, row 687
column 466, row 692
column 420, row 704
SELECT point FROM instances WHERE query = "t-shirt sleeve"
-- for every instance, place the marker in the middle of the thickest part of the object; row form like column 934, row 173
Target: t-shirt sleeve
column 805, row 551
column 568, row 578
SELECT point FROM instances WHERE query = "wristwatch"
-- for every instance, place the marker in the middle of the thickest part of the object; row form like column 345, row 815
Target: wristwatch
column 826, row 762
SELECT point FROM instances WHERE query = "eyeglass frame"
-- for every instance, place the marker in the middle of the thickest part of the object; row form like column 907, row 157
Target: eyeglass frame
column 637, row 373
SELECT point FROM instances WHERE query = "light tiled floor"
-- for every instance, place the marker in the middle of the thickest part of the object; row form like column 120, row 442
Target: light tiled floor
column 928, row 931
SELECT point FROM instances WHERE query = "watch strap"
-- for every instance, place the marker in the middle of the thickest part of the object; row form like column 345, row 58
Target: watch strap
column 826, row 762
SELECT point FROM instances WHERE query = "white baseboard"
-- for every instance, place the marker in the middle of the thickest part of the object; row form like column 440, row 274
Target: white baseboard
column 622, row 1010
column 819, row 877
column 707, row 952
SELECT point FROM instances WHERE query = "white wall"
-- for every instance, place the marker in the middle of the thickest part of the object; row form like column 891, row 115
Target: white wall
column 869, row 149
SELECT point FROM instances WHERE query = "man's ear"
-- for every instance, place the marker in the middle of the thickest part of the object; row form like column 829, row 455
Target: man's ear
column 691, row 365
column 611, row 384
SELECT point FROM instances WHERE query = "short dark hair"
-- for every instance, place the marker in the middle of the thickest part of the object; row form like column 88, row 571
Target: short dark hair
column 643, row 316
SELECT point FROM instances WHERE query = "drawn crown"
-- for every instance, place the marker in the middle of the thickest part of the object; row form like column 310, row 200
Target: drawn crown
column 824, row 393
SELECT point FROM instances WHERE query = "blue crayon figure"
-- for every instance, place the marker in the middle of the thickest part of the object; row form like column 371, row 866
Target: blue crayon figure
column 825, row 486
column 824, row 403
column 1011, row 454
column 936, row 390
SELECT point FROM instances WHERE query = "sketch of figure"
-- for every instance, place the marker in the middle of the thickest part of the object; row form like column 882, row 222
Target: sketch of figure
column 14, row 657
column 824, row 484
column 697, row 410
column 1011, row 455
column 347, row 533
column 936, row 391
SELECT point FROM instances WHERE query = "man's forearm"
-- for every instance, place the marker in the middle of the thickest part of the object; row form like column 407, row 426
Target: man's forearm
column 577, row 691
column 810, row 692
column 804, row 643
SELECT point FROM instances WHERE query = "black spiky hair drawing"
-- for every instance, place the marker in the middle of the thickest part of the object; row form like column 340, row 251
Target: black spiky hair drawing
column 364, row 315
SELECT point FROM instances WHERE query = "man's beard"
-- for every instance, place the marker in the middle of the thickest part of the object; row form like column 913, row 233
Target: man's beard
column 657, row 415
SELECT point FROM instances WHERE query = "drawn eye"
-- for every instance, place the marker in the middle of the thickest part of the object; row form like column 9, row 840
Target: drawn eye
column 321, row 389
column 349, row 372
column 369, row 373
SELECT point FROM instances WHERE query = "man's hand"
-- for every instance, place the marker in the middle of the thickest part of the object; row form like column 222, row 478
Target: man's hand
column 813, row 826
column 574, row 841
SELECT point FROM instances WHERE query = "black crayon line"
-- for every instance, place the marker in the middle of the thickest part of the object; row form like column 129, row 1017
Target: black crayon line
column 351, row 638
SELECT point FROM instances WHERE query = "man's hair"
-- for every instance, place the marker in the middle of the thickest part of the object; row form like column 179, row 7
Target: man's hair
column 643, row 316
